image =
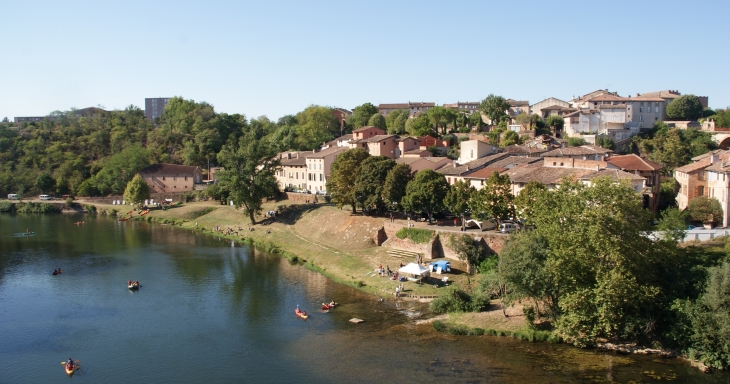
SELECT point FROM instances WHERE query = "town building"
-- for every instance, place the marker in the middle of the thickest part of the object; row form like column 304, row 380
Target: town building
column 455, row 171
column 405, row 145
column 549, row 106
column 154, row 107
column 649, row 170
column 366, row 132
column 166, row 178
column 467, row 107
column 319, row 167
column 413, row 108
column 293, row 172
column 471, row 150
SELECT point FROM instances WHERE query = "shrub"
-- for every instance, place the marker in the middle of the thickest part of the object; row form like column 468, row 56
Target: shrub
column 112, row 212
column 458, row 330
column 418, row 236
column 477, row 331
column 69, row 202
column 89, row 208
column 7, row 207
column 37, row 208
column 451, row 300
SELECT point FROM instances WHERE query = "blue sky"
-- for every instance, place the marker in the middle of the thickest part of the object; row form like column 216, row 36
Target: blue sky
column 277, row 57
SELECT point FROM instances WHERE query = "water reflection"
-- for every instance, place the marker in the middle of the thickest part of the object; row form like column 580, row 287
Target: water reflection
column 200, row 296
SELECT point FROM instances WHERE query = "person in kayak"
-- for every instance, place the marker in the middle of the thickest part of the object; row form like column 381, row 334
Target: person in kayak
column 70, row 363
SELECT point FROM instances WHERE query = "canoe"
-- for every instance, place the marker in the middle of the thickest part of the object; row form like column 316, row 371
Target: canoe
column 28, row 233
column 301, row 314
column 133, row 286
column 326, row 306
column 70, row 369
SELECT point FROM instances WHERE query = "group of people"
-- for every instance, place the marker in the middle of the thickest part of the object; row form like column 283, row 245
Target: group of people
column 57, row 271
column 133, row 284
column 384, row 271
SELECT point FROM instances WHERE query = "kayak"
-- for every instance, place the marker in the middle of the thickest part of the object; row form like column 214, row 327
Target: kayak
column 301, row 313
column 28, row 233
column 331, row 305
column 70, row 369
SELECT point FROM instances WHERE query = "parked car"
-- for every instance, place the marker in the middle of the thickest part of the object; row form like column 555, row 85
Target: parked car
column 45, row 197
column 508, row 227
column 691, row 227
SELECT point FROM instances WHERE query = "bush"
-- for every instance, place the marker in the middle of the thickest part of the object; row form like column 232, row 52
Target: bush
column 439, row 326
column 418, row 236
column 451, row 300
column 37, row 208
column 89, row 208
column 7, row 207
column 69, row 202
column 112, row 212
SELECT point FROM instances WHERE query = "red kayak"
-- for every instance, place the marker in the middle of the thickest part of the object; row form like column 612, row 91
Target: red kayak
column 300, row 313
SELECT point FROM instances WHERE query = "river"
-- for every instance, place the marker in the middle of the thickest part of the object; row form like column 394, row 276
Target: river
column 212, row 311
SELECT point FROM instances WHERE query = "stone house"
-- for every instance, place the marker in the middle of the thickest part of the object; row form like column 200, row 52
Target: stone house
column 171, row 178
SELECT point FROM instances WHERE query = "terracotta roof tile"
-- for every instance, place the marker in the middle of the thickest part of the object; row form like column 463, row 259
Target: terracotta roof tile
column 615, row 174
column 633, row 163
column 693, row 167
column 577, row 151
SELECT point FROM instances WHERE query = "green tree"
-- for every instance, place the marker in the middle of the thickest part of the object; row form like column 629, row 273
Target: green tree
column 361, row 115
column 527, row 198
column 317, row 125
column 495, row 200
column 523, row 264
column 509, row 138
column 555, row 122
column 377, row 120
column 396, row 121
column 458, row 197
column 673, row 224
column 687, row 107
column 419, row 126
column 495, row 108
column 370, row 181
column 467, row 250
column 426, row 192
column 137, row 190
column 524, row 120
column 605, row 142
column 710, row 320
column 706, row 210
column 45, row 183
column 394, row 188
column 440, row 117
column 343, row 176
column 475, row 120
column 576, row 141
column 112, row 174
column 250, row 163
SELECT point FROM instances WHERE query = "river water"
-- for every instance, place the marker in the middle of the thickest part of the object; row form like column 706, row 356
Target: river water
column 212, row 311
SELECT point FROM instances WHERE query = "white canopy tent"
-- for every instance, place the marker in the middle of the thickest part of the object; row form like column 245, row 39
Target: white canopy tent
column 416, row 270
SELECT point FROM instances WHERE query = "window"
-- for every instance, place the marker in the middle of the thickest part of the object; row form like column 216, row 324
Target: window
column 472, row 153
column 163, row 178
column 656, row 109
column 320, row 177
column 297, row 175
column 641, row 109
column 700, row 190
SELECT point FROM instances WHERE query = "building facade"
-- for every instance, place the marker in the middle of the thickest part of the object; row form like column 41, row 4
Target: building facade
column 166, row 178
column 154, row 107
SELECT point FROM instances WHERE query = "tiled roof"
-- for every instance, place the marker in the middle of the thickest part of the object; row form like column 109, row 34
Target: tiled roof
column 642, row 98
column 326, row 152
column 515, row 149
column 168, row 169
column 696, row 166
column 665, row 94
column 553, row 108
column 376, row 138
column 471, row 166
column 608, row 97
column 720, row 152
column 633, row 163
column 297, row 158
column 518, row 103
column 577, row 151
column 408, row 160
column 485, row 172
column 615, row 174
column 406, row 105
column 361, row 129
column 544, row 175
column 406, row 138
column 416, row 151
column 512, row 161
column 612, row 106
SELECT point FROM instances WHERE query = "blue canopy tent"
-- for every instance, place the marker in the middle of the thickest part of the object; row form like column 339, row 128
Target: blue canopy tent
column 445, row 266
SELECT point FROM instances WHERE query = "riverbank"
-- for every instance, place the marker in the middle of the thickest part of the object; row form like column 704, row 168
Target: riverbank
column 339, row 245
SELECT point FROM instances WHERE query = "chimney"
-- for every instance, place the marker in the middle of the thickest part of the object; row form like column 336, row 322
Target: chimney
column 713, row 159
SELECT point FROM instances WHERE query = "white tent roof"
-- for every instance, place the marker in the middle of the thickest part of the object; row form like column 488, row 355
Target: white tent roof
column 413, row 269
